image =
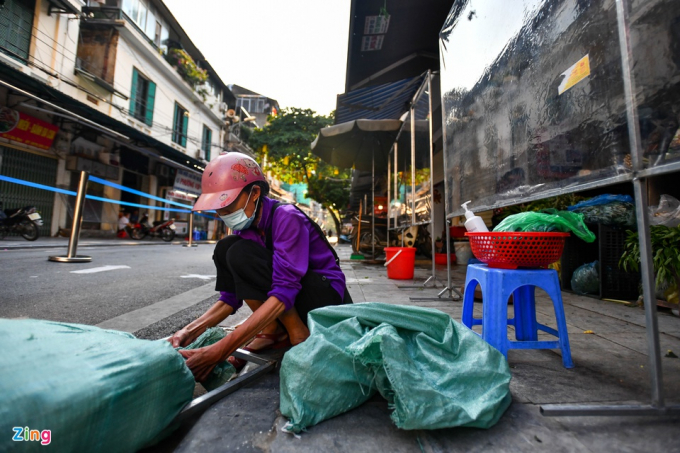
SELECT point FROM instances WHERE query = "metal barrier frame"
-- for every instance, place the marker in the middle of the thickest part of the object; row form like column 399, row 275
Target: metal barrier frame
column 425, row 87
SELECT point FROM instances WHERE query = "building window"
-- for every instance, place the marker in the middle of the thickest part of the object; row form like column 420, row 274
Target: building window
column 206, row 143
column 16, row 24
column 157, row 34
column 252, row 104
column 142, row 96
column 180, row 125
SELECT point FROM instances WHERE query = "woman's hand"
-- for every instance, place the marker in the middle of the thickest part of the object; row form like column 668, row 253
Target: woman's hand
column 201, row 361
column 215, row 314
column 182, row 338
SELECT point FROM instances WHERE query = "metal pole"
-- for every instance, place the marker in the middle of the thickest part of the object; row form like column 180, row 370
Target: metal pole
column 429, row 123
column 646, row 262
column 72, row 256
column 191, row 231
column 413, row 165
column 389, row 197
column 447, row 189
column 640, row 187
column 373, row 204
column 396, row 180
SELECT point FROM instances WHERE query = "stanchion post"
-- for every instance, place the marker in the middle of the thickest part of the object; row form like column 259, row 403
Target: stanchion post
column 191, row 231
column 72, row 256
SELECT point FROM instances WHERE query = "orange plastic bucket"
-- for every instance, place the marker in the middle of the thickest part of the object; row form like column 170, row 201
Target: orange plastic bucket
column 400, row 262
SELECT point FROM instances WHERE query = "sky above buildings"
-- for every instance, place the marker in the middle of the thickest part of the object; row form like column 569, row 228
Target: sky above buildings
column 294, row 51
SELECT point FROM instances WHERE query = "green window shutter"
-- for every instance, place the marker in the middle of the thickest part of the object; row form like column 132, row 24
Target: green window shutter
column 207, row 141
column 133, row 91
column 151, row 94
column 175, row 133
column 16, row 25
column 185, row 128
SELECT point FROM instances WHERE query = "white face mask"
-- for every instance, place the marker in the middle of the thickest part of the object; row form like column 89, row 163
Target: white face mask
column 238, row 220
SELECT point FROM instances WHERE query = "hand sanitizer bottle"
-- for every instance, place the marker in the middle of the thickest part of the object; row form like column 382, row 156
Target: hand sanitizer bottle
column 474, row 223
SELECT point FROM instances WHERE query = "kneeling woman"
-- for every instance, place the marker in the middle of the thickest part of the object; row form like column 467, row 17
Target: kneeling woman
column 278, row 261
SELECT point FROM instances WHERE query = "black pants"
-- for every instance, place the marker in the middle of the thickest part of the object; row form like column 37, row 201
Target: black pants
column 244, row 268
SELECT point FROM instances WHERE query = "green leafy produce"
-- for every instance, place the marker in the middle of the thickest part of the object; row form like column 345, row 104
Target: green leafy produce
column 665, row 253
column 614, row 213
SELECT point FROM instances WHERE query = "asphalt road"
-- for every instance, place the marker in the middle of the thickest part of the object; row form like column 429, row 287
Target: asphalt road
column 117, row 281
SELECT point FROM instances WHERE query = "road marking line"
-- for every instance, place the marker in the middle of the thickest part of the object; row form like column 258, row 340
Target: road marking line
column 99, row 269
column 202, row 277
column 151, row 314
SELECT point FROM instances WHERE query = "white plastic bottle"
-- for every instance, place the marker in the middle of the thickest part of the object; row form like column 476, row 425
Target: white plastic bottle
column 474, row 223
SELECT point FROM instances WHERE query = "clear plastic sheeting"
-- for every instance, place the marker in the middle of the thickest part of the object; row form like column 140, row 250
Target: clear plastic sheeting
column 655, row 41
column 533, row 100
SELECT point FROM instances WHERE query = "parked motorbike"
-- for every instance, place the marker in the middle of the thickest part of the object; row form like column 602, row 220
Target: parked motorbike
column 24, row 221
column 162, row 229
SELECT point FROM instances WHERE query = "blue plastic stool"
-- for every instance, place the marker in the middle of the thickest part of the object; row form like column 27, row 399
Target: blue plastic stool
column 497, row 286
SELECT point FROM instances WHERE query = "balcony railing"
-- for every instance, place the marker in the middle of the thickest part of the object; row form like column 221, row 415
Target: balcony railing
column 102, row 15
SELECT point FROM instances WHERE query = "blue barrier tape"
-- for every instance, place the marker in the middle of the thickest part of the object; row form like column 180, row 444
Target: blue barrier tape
column 136, row 192
column 37, row 186
column 93, row 197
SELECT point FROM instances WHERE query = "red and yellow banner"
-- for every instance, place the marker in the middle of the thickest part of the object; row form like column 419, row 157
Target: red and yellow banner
column 22, row 128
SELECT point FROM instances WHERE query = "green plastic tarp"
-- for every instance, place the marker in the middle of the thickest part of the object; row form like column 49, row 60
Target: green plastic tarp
column 433, row 371
column 223, row 371
column 95, row 390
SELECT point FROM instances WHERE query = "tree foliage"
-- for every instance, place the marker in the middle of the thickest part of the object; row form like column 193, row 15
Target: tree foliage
column 284, row 145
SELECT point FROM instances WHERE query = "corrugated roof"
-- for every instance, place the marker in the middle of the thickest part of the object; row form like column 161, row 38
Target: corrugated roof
column 387, row 101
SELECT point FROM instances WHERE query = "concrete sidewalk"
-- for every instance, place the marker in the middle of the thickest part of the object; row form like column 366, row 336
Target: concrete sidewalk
column 610, row 367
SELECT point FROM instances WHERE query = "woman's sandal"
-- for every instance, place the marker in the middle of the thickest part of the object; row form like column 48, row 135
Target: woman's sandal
column 280, row 341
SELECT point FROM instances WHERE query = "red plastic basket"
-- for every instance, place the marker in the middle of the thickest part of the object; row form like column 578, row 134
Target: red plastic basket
column 513, row 250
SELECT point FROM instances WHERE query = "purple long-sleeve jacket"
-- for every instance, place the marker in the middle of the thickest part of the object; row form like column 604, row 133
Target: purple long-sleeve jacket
column 297, row 248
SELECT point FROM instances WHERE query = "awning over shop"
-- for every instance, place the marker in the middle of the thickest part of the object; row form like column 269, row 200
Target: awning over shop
column 387, row 101
column 357, row 144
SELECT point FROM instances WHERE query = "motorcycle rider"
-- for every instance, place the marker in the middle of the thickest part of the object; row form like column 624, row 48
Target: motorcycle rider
column 277, row 261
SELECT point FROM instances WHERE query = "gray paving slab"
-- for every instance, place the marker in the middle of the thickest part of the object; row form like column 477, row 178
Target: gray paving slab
column 637, row 341
column 625, row 434
column 521, row 429
column 244, row 421
column 668, row 324
column 356, row 293
column 548, row 382
column 365, row 429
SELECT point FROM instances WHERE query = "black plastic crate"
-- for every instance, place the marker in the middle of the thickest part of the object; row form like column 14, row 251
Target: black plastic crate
column 615, row 283
column 576, row 253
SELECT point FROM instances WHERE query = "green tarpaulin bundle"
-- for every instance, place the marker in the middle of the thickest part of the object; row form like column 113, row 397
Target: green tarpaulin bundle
column 223, row 371
column 433, row 371
column 92, row 389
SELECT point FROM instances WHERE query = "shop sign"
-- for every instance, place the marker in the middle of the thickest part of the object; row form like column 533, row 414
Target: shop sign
column 189, row 182
column 180, row 196
column 22, row 128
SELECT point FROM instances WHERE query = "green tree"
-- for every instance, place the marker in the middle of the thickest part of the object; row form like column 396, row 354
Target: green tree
column 284, row 147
